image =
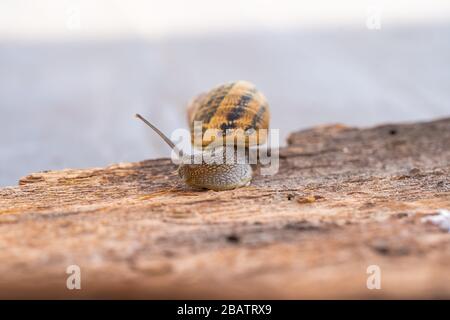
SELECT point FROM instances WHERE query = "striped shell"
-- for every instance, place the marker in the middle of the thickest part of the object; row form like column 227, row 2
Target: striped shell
column 226, row 108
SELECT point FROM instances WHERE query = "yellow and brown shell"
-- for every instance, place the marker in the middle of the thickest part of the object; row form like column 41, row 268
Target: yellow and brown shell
column 226, row 109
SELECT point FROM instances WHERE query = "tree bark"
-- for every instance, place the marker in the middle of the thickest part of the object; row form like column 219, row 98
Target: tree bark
column 343, row 199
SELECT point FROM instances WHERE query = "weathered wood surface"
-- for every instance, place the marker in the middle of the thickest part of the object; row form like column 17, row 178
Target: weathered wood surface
column 344, row 199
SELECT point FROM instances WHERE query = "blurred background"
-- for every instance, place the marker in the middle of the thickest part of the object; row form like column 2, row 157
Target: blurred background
column 73, row 73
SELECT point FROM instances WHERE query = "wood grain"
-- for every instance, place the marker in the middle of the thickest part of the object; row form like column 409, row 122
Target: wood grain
column 343, row 199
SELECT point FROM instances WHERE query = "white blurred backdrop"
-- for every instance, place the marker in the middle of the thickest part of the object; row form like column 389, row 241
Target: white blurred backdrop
column 73, row 73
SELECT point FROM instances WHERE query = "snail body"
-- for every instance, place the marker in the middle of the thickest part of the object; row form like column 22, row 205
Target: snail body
column 214, row 172
column 236, row 111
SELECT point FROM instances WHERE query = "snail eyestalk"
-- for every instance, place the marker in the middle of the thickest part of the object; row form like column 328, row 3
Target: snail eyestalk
column 162, row 135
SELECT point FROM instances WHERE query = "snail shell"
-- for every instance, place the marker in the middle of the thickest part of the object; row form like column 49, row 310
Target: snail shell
column 226, row 108
column 234, row 110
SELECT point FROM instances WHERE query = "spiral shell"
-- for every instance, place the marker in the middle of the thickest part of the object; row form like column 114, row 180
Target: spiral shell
column 227, row 108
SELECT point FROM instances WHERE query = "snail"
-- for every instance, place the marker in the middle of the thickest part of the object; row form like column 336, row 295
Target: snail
column 235, row 112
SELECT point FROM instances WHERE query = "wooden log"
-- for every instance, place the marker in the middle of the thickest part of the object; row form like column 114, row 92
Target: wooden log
column 344, row 199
